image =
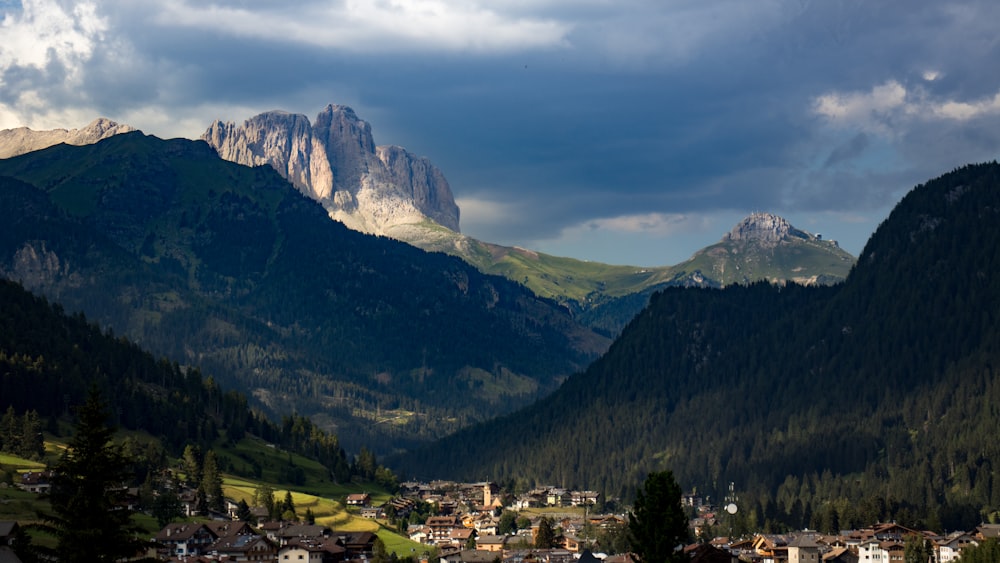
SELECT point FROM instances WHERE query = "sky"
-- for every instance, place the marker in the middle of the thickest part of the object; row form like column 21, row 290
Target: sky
column 618, row 131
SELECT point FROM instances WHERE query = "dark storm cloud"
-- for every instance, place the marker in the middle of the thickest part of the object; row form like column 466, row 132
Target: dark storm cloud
column 558, row 122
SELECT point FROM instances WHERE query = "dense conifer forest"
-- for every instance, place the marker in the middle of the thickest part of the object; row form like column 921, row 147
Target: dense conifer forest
column 826, row 407
column 49, row 360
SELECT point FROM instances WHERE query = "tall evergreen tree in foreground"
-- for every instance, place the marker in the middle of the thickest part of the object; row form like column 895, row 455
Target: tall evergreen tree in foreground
column 657, row 527
column 90, row 518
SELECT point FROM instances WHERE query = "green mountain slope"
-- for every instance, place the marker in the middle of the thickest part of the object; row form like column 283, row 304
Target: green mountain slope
column 762, row 247
column 229, row 268
column 583, row 286
column 872, row 399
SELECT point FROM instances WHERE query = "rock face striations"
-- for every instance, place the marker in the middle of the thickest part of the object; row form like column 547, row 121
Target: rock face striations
column 381, row 190
column 765, row 229
column 23, row 140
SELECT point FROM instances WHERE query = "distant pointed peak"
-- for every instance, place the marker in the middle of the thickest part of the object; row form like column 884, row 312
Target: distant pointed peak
column 764, row 227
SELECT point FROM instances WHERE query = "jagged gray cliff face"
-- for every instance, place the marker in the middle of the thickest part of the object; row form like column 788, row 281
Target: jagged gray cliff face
column 381, row 190
column 765, row 228
column 23, row 140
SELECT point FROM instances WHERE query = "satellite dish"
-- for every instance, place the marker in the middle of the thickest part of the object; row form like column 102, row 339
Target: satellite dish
column 731, row 508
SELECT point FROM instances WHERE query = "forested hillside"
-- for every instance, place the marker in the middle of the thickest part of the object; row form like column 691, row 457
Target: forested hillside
column 49, row 360
column 230, row 268
column 825, row 406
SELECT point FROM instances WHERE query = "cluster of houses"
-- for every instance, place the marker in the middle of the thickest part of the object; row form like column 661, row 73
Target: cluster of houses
column 270, row 542
column 882, row 543
column 466, row 525
column 465, row 528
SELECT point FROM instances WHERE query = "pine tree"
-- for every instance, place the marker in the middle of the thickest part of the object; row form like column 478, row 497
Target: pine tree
column 546, row 536
column 288, row 507
column 90, row 519
column 918, row 549
column 167, row 508
column 658, row 525
column 211, row 483
column 244, row 513
column 263, row 496
column 10, row 431
column 192, row 464
column 32, row 441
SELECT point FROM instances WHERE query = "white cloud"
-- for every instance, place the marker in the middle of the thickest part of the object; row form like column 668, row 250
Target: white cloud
column 50, row 42
column 964, row 111
column 867, row 109
column 890, row 107
column 45, row 32
column 372, row 27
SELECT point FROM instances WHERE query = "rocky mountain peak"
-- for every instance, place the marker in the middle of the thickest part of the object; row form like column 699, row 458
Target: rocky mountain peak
column 334, row 160
column 22, row 140
column 765, row 228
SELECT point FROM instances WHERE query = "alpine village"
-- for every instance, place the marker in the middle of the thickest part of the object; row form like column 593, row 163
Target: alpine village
column 236, row 349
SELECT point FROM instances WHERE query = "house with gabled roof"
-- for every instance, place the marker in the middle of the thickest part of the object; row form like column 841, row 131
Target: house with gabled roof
column 185, row 539
column 244, row 548
column 558, row 497
column 359, row 545
column 803, row 549
column 226, row 529
column 840, row 555
column 39, row 482
column 492, row 543
column 892, row 531
column 312, row 550
column 581, row 498
column 987, row 531
column 289, row 531
column 461, row 536
column 419, row 533
column 8, row 530
column 358, row 499
column 950, row 548
column 441, row 527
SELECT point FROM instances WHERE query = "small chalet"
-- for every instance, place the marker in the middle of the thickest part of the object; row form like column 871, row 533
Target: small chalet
column 570, row 542
column 372, row 512
column 950, row 548
column 245, row 548
column 359, row 545
column 558, row 497
column 840, row 555
column 36, row 482
column 987, row 531
column 583, row 498
column 441, row 527
column 491, row 543
column 419, row 533
column 228, row 529
column 185, row 539
column 314, row 531
column 312, row 550
column 461, row 536
column 359, row 499
column 8, row 530
column 803, row 549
